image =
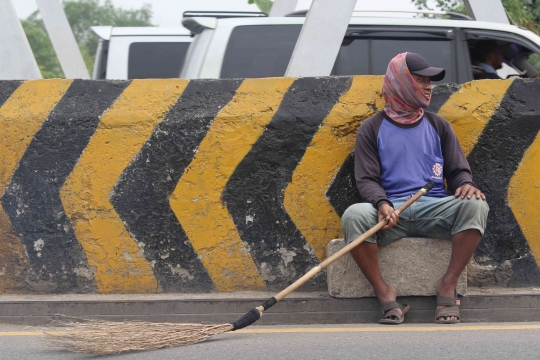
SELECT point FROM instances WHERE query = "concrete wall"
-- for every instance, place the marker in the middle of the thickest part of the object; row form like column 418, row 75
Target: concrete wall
column 225, row 185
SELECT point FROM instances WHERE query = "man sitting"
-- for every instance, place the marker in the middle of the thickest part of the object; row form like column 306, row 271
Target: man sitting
column 490, row 59
column 398, row 151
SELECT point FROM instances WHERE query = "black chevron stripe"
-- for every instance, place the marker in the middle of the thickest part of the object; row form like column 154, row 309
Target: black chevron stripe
column 255, row 191
column 343, row 193
column 494, row 160
column 32, row 199
column 141, row 196
column 441, row 94
column 7, row 89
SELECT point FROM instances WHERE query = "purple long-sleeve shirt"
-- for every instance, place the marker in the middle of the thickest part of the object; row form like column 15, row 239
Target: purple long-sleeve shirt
column 393, row 160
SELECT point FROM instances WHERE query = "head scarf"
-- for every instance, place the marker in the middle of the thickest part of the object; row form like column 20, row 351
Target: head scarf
column 405, row 100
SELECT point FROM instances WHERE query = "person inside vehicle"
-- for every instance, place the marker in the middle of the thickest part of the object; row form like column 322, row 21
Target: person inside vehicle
column 398, row 151
column 490, row 59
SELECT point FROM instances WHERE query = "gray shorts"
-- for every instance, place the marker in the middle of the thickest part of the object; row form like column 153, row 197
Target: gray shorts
column 428, row 217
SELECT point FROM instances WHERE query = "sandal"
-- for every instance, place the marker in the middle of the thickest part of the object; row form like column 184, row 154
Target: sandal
column 392, row 316
column 451, row 309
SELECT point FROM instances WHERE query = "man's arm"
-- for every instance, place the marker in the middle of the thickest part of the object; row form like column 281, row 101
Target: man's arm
column 367, row 166
column 367, row 171
column 456, row 167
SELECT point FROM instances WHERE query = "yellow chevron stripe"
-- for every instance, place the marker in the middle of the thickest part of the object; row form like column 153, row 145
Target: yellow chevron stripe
column 21, row 117
column 524, row 197
column 115, row 257
column 305, row 199
column 471, row 108
column 196, row 201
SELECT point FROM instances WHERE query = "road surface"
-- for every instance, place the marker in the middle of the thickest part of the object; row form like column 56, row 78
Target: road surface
column 417, row 341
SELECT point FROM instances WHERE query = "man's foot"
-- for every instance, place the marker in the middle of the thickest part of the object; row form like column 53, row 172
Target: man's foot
column 393, row 313
column 447, row 311
column 392, row 310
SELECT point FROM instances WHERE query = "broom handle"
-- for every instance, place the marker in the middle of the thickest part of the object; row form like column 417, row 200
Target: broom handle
column 351, row 245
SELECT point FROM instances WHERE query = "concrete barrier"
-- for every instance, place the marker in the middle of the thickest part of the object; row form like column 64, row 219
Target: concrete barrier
column 411, row 265
column 151, row 186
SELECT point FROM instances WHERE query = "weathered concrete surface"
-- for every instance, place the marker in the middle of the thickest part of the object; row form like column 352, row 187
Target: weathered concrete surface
column 411, row 265
column 171, row 185
column 488, row 305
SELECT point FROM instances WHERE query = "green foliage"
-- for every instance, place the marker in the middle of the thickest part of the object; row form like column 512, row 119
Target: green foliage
column 443, row 5
column 525, row 13
column 81, row 15
column 534, row 59
column 42, row 47
column 263, row 5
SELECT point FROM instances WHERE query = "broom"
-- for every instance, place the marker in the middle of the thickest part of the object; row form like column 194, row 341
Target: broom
column 107, row 337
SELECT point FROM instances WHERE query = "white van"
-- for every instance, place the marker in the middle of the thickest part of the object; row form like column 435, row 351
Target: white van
column 140, row 52
column 255, row 47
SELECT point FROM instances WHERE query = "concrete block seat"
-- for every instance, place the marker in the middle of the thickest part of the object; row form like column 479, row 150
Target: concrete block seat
column 411, row 265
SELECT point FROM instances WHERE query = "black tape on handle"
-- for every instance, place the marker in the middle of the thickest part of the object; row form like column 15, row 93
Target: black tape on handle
column 429, row 186
column 269, row 303
column 247, row 319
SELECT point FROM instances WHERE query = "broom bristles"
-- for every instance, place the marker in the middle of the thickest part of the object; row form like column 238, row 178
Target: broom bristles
column 100, row 337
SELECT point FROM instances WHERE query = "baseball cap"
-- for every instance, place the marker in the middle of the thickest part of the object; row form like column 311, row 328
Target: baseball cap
column 419, row 66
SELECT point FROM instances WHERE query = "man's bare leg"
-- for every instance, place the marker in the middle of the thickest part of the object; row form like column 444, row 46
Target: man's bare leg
column 366, row 257
column 463, row 245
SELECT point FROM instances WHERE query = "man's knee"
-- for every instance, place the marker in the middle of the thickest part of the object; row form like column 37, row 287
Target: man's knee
column 472, row 215
column 475, row 208
column 357, row 219
column 363, row 212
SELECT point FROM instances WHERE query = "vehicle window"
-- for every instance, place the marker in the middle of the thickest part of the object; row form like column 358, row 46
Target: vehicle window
column 371, row 54
column 534, row 59
column 437, row 53
column 507, row 54
column 259, row 51
column 156, row 60
column 353, row 58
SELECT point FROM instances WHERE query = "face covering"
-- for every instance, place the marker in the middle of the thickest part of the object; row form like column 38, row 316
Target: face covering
column 405, row 100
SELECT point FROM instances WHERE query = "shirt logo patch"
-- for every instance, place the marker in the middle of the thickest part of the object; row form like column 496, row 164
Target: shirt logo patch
column 437, row 170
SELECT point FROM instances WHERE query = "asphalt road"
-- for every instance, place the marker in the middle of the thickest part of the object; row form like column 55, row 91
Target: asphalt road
column 423, row 341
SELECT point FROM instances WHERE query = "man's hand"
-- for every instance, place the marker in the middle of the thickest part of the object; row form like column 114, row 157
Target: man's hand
column 387, row 212
column 468, row 191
